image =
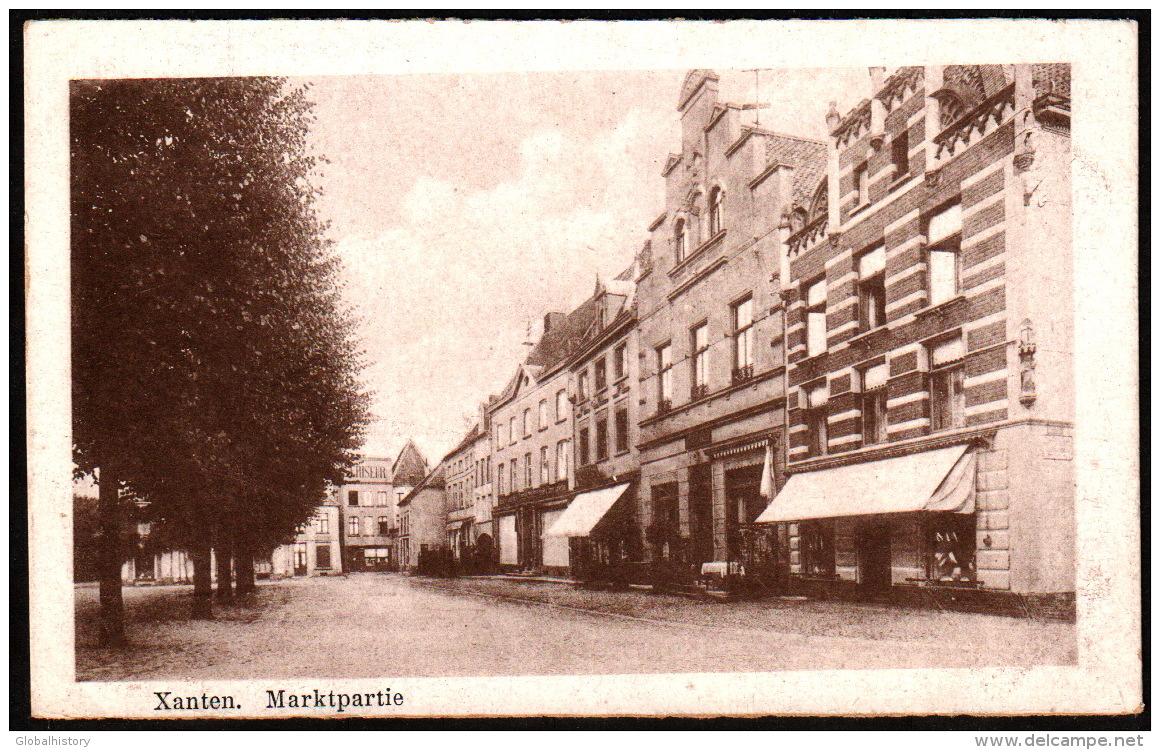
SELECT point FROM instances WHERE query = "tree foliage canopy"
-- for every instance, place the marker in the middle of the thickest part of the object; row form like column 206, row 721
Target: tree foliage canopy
column 214, row 364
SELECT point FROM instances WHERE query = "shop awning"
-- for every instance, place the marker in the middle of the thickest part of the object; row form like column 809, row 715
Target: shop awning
column 937, row 480
column 585, row 511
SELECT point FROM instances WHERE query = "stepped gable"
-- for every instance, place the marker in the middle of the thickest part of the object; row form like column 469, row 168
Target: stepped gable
column 410, row 467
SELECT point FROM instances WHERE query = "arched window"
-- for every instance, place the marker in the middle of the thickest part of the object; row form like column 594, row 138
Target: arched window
column 951, row 108
column 679, row 239
column 820, row 205
column 715, row 225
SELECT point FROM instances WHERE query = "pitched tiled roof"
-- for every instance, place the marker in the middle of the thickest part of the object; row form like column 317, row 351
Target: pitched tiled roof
column 807, row 157
column 410, row 467
column 565, row 336
column 433, row 481
column 467, row 440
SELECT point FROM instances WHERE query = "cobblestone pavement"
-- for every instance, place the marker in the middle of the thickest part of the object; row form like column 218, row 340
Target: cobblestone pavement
column 374, row 625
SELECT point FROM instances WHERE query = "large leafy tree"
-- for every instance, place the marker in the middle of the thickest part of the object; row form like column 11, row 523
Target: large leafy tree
column 214, row 365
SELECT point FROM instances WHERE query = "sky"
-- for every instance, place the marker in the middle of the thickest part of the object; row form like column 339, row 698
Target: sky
column 465, row 207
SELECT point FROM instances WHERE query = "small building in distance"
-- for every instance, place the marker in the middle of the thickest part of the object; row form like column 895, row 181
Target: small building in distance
column 316, row 549
column 422, row 521
column 367, row 502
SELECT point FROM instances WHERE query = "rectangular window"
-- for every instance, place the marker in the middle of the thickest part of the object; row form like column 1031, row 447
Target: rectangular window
column 384, row 526
column 528, row 471
column 352, row 498
column 322, row 556
column 874, row 405
column 743, row 340
column 699, row 343
column 872, row 288
column 368, row 526
column 620, row 362
column 543, row 415
column 943, row 234
column 545, row 468
column 817, row 543
column 514, row 475
column 561, row 460
column 664, row 377
column 500, row 435
column 861, row 184
column 381, row 499
column 527, row 422
column 947, row 396
column 582, row 386
column 900, row 155
column 561, row 405
column 601, row 439
column 512, row 430
column 600, row 377
column 816, row 430
column 582, row 447
column 322, row 525
column 622, row 430
column 352, row 526
column 816, row 318
column 815, row 419
column 300, row 555
column 502, row 489
column 947, row 399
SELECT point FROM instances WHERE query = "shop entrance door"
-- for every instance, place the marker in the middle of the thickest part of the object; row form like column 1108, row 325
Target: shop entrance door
column 701, row 514
column 874, row 557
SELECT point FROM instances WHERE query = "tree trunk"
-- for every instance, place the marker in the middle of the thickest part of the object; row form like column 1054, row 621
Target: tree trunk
column 112, row 631
column 245, row 570
column 202, row 581
column 225, row 573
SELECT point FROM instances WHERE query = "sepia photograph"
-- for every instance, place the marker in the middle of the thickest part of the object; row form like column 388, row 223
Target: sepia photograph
column 378, row 383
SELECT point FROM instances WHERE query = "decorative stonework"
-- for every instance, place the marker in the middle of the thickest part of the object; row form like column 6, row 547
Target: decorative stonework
column 1027, row 393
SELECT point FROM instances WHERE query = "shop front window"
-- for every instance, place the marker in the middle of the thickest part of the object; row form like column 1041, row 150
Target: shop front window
column 951, row 547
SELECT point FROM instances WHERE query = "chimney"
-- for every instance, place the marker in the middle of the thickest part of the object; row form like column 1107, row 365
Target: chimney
column 551, row 320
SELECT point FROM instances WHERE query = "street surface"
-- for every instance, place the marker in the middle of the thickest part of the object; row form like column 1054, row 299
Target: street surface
column 375, row 625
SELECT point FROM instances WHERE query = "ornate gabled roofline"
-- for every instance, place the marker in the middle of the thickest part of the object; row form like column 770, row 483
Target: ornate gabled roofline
column 670, row 165
column 858, row 117
column 658, row 221
column 897, row 84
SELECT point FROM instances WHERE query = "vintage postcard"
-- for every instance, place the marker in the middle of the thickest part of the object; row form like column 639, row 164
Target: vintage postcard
column 399, row 369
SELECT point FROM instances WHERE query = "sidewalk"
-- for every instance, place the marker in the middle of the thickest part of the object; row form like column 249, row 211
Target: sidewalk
column 791, row 615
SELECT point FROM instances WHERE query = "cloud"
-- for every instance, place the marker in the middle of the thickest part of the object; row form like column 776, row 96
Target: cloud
column 447, row 293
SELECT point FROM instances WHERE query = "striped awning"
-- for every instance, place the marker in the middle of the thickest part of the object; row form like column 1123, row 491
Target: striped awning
column 733, row 450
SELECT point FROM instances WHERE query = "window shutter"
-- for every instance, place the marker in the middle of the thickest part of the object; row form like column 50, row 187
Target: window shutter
column 816, row 294
column 945, row 223
column 947, row 352
column 874, row 377
column 872, row 263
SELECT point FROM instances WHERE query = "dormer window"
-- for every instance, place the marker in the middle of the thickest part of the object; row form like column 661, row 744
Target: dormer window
column 679, row 240
column 715, row 197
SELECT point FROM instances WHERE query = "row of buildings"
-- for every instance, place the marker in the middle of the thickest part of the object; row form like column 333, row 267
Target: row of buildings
column 838, row 367
column 841, row 367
